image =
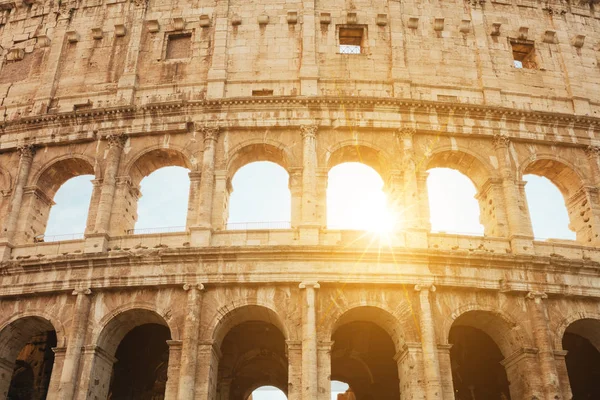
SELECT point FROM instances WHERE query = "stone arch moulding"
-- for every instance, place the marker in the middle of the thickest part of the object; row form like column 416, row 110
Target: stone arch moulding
column 53, row 173
column 506, row 327
column 38, row 317
column 231, row 315
column 565, row 175
column 464, row 161
column 150, row 159
column 108, row 325
column 256, row 150
column 563, row 325
column 375, row 313
column 362, row 152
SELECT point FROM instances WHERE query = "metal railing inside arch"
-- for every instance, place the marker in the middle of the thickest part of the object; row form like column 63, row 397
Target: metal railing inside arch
column 150, row 231
column 265, row 225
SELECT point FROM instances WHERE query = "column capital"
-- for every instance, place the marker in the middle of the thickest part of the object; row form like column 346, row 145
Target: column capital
column 174, row 344
column 427, row 287
column 536, row 296
column 116, row 140
column 309, row 131
column 500, row 141
column 309, row 284
column 592, row 151
column 85, row 291
column 210, row 133
column 27, row 150
column 406, row 132
column 193, row 286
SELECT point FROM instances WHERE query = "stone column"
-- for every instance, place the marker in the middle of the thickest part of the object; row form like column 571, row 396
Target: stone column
column 70, row 370
column 428, row 343
column 195, row 177
column 25, row 161
column 519, row 223
column 541, row 337
column 201, row 236
column 324, row 362
column 593, row 156
column 309, row 341
column 295, row 186
column 173, row 371
column 446, row 371
column 522, row 371
column 187, row 375
column 221, row 194
column 563, row 374
column 322, row 182
column 309, row 229
column 294, row 355
column 6, row 371
column 206, row 373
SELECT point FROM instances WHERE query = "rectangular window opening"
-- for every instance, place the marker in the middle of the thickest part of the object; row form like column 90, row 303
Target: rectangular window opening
column 263, row 92
column 351, row 40
column 523, row 55
column 178, row 46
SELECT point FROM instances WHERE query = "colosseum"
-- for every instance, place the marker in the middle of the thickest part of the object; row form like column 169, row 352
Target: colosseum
column 118, row 89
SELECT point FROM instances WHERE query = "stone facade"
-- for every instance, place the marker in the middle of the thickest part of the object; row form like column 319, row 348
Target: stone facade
column 118, row 89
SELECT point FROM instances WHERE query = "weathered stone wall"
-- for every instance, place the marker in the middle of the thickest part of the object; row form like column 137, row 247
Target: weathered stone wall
column 119, row 89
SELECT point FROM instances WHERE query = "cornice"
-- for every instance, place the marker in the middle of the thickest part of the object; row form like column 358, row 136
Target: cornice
column 209, row 106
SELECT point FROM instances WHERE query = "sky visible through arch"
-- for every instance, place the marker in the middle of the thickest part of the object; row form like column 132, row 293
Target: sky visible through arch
column 261, row 194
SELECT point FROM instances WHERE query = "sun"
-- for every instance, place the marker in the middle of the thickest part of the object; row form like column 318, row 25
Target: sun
column 356, row 200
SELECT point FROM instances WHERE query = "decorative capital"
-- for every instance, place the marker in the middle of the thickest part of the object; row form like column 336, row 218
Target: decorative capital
column 116, row 140
column 309, row 131
column 500, row 141
column 309, row 284
column 592, row 151
column 426, row 287
column 210, row 133
column 406, row 132
column 193, row 286
column 536, row 296
column 84, row 291
column 27, row 150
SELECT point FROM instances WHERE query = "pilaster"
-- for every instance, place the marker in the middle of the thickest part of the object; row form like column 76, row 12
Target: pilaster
column 433, row 387
column 70, row 370
column 189, row 356
column 294, row 355
column 173, row 370
column 309, row 341
column 543, row 341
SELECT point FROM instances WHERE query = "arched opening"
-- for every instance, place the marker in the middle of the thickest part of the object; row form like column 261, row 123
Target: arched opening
column 63, row 190
column 476, row 369
column 260, row 197
column 582, row 341
column 453, row 207
column 132, row 357
column 356, row 200
column 155, row 197
column 163, row 204
column 26, row 358
column 69, row 215
column 140, row 372
column 341, row 391
column 363, row 355
column 480, row 342
column 541, row 196
column 544, row 199
column 253, row 353
column 267, row 393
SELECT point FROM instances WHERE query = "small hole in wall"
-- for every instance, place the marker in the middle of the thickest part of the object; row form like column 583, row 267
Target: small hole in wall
column 523, row 54
column 262, row 92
